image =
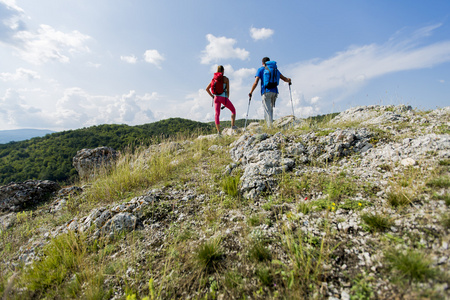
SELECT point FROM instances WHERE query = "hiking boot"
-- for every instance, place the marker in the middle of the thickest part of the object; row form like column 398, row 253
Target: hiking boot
column 234, row 127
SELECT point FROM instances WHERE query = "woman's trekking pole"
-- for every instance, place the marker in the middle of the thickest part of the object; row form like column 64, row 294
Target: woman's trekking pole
column 245, row 125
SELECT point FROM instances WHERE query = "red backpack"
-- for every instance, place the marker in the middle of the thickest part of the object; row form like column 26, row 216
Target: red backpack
column 217, row 84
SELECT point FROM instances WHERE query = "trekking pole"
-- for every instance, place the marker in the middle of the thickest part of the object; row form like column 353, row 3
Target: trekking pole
column 245, row 125
column 292, row 104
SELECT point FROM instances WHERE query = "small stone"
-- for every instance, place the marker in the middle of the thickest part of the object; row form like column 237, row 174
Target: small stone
column 407, row 162
column 345, row 295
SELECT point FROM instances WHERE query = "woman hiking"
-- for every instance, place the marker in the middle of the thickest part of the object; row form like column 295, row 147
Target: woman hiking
column 219, row 90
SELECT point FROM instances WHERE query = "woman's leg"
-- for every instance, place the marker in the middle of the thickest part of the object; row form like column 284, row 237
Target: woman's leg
column 230, row 106
column 217, row 103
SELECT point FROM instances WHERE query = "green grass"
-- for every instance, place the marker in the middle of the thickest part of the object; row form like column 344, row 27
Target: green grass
column 398, row 199
column 64, row 256
column 444, row 197
column 411, row 265
column 265, row 276
column 445, row 220
column 350, row 204
column 208, row 255
column 444, row 162
column 377, row 222
column 307, row 256
column 230, row 185
column 304, row 207
column 259, row 252
column 439, row 182
column 362, row 288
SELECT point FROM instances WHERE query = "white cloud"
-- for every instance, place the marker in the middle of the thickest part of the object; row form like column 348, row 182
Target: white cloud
column 220, row 48
column 345, row 73
column 76, row 108
column 314, row 100
column 40, row 46
column 93, row 65
column 154, row 57
column 20, row 74
column 131, row 59
column 442, row 81
column 49, row 44
column 15, row 112
column 261, row 33
column 11, row 20
column 11, row 4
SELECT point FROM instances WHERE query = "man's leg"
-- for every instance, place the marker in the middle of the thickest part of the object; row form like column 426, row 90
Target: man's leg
column 268, row 101
column 267, row 105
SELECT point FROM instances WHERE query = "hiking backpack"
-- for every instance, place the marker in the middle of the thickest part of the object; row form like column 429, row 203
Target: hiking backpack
column 217, row 84
column 271, row 75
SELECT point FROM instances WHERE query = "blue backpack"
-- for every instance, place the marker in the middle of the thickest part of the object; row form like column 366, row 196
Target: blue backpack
column 271, row 76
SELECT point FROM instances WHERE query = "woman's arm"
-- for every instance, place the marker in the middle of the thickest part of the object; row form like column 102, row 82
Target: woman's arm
column 227, row 82
column 208, row 89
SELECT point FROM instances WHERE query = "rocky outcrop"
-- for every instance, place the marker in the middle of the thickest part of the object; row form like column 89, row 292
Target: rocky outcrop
column 18, row 196
column 88, row 162
column 374, row 115
column 110, row 221
column 263, row 156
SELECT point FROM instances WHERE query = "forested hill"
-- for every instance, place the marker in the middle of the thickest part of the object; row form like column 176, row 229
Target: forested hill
column 50, row 157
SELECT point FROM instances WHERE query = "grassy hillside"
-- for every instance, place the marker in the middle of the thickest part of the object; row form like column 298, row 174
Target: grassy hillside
column 50, row 157
column 357, row 227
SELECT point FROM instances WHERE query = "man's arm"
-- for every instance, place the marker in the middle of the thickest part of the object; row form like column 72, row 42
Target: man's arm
column 255, row 84
column 285, row 79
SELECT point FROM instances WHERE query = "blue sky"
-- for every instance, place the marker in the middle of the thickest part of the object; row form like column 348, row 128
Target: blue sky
column 70, row 64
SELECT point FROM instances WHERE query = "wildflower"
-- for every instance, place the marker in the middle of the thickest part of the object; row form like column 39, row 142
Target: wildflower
column 359, row 203
column 306, row 198
column 334, row 204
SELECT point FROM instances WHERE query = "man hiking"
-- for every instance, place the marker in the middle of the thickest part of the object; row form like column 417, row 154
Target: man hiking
column 270, row 77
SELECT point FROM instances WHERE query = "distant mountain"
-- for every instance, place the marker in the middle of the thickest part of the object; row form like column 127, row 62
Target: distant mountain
column 17, row 135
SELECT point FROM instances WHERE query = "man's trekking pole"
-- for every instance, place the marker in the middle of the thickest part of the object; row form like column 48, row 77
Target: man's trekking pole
column 249, row 98
column 292, row 104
